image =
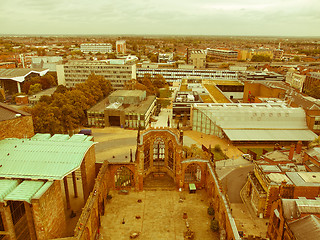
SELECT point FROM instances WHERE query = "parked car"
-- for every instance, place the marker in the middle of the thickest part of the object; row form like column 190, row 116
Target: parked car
column 247, row 157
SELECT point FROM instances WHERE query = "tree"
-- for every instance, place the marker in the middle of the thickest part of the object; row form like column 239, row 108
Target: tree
column 260, row 58
column 35, row 88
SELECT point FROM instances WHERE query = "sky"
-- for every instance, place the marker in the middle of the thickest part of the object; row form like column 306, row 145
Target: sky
column 161, row 17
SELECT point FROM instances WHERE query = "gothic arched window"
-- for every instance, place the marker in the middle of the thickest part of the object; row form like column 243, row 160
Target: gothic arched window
column 192, row 173
column 158, row 152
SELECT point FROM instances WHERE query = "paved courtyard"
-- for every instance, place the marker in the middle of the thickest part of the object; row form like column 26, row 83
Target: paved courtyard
column 158, row 216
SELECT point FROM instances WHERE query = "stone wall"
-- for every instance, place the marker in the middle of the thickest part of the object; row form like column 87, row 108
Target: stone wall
column 20, row 127
column 88, row 172
column 49, row 214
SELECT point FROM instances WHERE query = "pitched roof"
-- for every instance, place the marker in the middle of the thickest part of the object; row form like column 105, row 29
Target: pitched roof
column 7, row 112
column 306, row 228
column 42, row 158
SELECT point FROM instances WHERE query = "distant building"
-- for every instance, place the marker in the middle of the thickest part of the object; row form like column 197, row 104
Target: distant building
column 275, row 89
column 222, row 54
column 123, row 108
column 312, row 80
column 295, row 79
column 117, row 72
column 46, row 63
column 165, row 57
column 182, row 104
column 121, row 47
column 197, row 58
column 96, row 48
column 176, row 74
column 11, row 79
column 260, row 76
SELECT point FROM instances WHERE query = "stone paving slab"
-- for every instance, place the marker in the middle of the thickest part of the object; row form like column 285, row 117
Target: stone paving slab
column 161, row 216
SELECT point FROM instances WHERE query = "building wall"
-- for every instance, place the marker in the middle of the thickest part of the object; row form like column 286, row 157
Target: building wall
column 76, row 72
column 49, row 213
column 20, row 127
column 88, row 172
column 259, row 90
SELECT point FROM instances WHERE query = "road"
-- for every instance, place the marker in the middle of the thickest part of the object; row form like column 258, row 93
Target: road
column 235, row 181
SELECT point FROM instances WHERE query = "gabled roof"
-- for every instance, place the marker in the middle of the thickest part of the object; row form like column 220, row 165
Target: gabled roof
column 306, row 228
column 7, row 112
column 42, row 158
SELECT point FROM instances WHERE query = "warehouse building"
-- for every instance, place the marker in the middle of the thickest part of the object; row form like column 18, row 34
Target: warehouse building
column 252, row 123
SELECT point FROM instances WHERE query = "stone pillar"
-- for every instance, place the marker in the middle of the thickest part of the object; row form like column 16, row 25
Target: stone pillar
column 66, row 190
column 19, row 87
column 31, row 227
column 8, row 223
column 74, row 179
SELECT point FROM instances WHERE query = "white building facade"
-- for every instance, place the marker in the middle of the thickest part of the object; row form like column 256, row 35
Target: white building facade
column 75, row 72
column 96, row 48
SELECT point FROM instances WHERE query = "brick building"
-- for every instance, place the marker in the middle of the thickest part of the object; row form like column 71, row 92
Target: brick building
column 282, row 174
column 15, row 123
column 295, row 219
column 33, row 204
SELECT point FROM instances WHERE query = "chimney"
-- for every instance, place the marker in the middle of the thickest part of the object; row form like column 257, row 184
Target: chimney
column 299, row 147
column 291, row 152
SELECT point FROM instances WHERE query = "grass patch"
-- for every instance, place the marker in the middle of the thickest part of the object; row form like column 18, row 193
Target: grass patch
column 216, row 94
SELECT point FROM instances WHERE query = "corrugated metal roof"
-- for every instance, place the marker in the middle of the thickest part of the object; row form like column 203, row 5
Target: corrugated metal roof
column 306, row 228
column 41, row 136
column 42, row 190
column 41, row 159
column 6, row 186
column 269, row 135
column 78, row 138
column 24, row 191
column 60, row 137
column 254, row 116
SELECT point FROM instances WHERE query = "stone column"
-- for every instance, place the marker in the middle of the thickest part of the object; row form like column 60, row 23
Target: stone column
column 31, row 227
column 74, row 179
column 66, row 190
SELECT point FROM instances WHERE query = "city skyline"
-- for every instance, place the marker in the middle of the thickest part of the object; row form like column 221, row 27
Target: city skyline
column 204, row 17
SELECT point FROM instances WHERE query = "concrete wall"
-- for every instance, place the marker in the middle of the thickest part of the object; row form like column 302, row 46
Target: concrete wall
column 20, row 127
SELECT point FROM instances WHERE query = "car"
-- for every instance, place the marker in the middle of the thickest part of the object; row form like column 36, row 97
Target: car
column 247, row 157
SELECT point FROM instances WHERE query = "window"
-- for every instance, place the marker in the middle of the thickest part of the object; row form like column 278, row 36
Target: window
column 124, row 177
column 192, row 173
column 146, row 155
column 17, row 210
column 170, row 155
column 158, row 152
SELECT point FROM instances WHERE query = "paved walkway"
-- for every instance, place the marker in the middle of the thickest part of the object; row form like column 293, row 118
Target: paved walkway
column 159, row 216
column 114, row 144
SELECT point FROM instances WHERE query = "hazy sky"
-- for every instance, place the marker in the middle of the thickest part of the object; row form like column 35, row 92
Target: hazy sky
column 190, row 17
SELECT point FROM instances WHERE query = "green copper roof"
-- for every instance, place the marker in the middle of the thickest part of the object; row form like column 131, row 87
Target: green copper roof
column 50, row 159
column 6, row 186
column 24, row 191
column 41, row 136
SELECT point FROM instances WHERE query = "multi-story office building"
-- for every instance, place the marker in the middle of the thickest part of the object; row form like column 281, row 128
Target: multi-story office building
column 121, row 47
column 96, row 47
column 176, row 74
column 165, row 57
column 197, row 58
column 75, row 72
column 223, row 55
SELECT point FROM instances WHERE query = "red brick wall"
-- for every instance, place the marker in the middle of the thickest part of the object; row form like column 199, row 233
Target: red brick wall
column 49, row 213
column 20, row 127
column 88, row 172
